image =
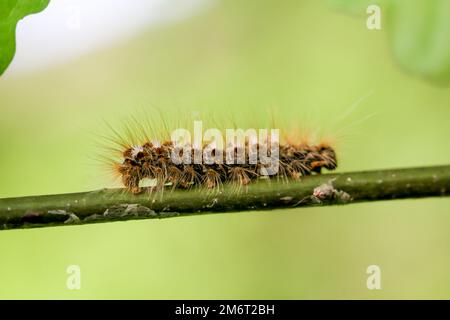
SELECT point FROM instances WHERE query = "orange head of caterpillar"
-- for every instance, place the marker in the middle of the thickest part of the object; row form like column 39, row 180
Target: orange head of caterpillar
column 328, row 156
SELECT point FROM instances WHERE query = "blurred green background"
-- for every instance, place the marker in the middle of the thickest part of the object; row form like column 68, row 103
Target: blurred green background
column 310, row 61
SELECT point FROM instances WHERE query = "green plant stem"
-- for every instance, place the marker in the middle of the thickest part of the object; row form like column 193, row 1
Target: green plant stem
column 318, row 190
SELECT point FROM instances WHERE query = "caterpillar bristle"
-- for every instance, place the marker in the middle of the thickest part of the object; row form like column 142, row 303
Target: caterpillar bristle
column 140, row 152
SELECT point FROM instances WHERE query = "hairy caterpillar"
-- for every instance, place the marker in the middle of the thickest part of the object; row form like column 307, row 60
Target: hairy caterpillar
column 153, row 160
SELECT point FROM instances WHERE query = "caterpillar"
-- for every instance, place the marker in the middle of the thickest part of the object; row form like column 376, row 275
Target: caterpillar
column 153, row 160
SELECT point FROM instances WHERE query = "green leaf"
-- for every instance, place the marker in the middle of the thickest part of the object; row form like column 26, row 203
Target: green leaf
column 418, row 33
column 11, row 11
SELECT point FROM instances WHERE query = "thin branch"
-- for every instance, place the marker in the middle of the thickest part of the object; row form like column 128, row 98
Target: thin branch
column 328, row 189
